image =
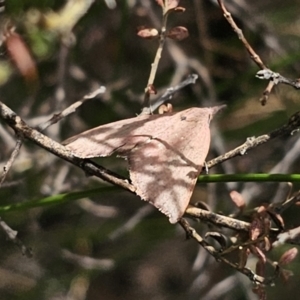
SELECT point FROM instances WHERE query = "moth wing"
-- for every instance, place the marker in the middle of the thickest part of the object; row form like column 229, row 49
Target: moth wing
column 164, row 169
column 106, row 139
column 165, row 153
column 163, row 178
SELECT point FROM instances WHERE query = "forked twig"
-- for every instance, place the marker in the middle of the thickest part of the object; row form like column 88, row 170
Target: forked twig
column 12, row 236
column 276, row 78
column 59, row 150
column 71, row 109
column 21, row 128
column 168, row 94
column 241, row 36
column 217, row 219
column 54, row 119
column 191, row 232
column 289, row 128
column 255, row 57
column 162, row 38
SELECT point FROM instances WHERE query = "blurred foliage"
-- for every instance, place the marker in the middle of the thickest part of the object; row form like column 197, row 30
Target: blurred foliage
column 150, row 260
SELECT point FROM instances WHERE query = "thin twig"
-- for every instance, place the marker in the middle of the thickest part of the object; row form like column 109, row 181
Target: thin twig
column 21, row 128
column 265, row 73
column 59, row 150
column 87, row 262
column 279, row 209
column 253, row 55
column 291, row 236
column 217, row 219
column 168, row 94
column 12, row 236
column 12, row 158
column 71, row 109
column 268, row 74
column 132, row 222
column 11, row 184
column 91, row 168
column 162, row 38
column 288, row 129
column 191, row 232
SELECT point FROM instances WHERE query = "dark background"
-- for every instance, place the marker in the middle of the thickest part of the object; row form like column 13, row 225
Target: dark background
column 113, row 245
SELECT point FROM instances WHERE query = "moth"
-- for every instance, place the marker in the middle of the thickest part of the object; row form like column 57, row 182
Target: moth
column 165, row 153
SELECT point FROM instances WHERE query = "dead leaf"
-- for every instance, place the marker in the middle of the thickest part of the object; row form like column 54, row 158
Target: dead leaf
column 172, row 3
column 20, row 55
column 169, row 4
column 165, row 153
column 147, row 33
column 256, row 229
column 288, row 256
column 237, row 199
column 151, row 89
column 179, row 9
column 178, row 33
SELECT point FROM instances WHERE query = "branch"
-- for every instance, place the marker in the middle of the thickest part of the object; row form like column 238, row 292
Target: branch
column 253, row 55
column 148, row 90
column 23, row 130
column 191, row 232
column 168, row 94
column 91, row 168
column 249, row 177
column 11, row 160
column 217, row 219
column 12, row 236
column 71, row 109
column 290, row 128
column 55, row 199
column 277, row 78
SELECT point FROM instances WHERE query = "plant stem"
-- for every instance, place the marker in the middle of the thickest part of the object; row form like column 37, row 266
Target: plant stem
column 56, row 199
column 249, row 178
column 154, row 65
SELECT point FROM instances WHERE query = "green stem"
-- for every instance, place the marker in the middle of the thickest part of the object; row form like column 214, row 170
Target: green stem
column 56, row 199
column 249, row 178
column 63, row 198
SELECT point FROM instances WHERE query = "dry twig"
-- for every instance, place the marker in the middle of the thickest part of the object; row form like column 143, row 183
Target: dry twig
column 11, row 160
column 20, row 127
column 91, row 168
column 71, row 109
column 275, row 78
column 288, row 129
column 12, row 236
column 192, row 233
